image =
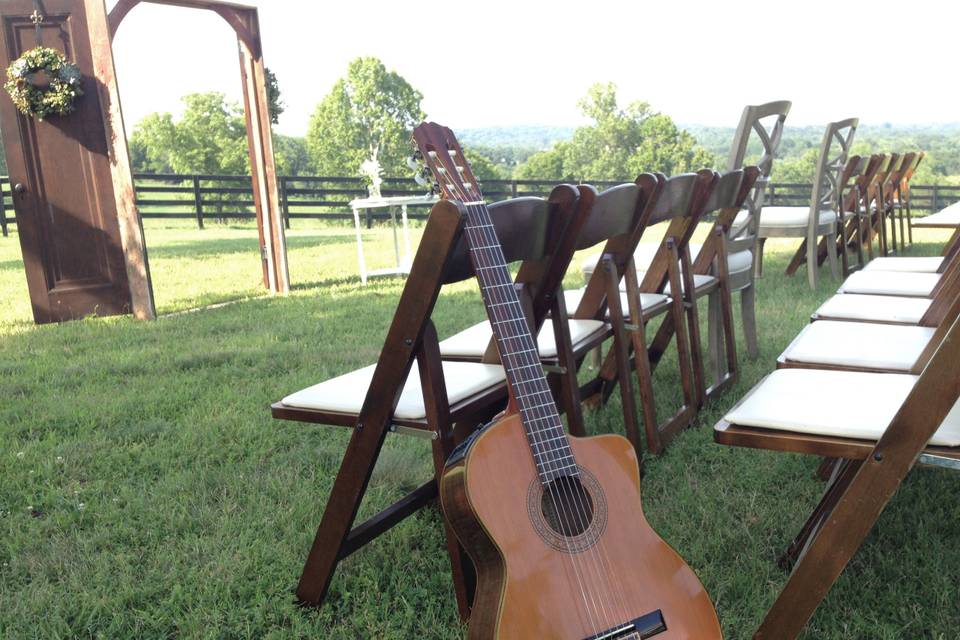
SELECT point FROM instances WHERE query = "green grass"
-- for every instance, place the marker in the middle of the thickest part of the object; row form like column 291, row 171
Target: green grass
column 146, row 492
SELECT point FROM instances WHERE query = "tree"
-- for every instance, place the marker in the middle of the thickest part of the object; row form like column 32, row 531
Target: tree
column 368, row 114
column 619, row 144
column 277, row 106
column 291, row 155
column 211, row 138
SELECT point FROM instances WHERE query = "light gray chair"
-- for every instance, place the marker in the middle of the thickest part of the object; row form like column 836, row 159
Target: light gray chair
column 823, row 217
column 764, row 123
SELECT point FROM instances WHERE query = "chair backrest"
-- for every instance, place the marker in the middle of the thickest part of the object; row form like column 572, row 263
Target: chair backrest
column 895, row 177
column 880, row 183
column 528, row 229
column 618, row 218
column 849, row 179
column 682, row 202
column 765, row 122
column 729, row 196
column 834, row 150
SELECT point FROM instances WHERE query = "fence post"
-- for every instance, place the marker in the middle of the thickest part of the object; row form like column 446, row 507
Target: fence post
column 513, row 188
column 198, row 201
column 284, row 202
column 3, row 206
column 933, row 200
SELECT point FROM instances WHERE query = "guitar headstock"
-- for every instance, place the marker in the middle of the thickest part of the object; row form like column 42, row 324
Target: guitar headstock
column 443, row 156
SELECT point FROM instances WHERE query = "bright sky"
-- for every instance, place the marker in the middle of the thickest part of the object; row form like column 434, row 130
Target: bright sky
column 499, row 62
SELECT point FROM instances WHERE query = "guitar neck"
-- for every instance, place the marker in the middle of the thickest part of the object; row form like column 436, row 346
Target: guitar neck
column 518, row 349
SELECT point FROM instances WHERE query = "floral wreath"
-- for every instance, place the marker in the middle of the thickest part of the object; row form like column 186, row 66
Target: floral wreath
column 42, row 82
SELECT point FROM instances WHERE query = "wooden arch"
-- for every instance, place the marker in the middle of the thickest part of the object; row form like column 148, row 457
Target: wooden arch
column 266, row 196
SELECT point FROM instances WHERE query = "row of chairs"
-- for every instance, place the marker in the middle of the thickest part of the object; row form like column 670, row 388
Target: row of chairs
column 870, row 385
column 875, row 200
column 458, row 383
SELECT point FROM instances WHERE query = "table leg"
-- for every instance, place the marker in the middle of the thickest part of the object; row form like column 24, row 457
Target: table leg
column 363, row 264
column 406, row 239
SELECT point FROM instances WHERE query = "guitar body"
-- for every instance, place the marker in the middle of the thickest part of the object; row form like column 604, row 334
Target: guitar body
column 537, row 580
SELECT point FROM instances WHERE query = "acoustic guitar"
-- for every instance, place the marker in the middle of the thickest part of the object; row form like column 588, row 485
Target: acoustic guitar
column 552, row 523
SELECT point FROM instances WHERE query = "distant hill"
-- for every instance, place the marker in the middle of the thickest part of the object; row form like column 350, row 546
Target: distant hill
column 533, row 137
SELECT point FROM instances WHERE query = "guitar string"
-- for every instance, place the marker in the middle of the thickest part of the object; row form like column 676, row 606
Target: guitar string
column 598, row 559
column 604, row 571
column 603, row 555
column 592, row 609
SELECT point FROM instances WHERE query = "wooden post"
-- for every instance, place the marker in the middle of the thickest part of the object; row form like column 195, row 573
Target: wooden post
column 131, row 225
column 266, row 194
column 198, row 201
column 933, row 200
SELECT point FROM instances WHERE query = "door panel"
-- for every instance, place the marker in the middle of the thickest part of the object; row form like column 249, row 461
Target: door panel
column 66, row 213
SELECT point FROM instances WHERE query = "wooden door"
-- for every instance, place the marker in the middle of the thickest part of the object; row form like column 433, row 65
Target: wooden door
column 66, row 207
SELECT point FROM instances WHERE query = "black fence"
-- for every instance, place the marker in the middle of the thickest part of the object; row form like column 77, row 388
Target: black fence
column 206, row 198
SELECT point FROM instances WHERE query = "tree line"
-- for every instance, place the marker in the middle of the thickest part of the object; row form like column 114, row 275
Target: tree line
column 371, row 110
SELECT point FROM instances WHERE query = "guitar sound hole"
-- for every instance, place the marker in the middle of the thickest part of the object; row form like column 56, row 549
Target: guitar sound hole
column 567, row 507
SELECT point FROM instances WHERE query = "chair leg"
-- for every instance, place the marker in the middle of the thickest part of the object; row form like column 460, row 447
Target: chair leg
column 835, row 542
column 748, row 314
column 909, row 221
column 834, row 258
column 758, row 257
column 812, row 271
column 798, row 258
column 717, row 364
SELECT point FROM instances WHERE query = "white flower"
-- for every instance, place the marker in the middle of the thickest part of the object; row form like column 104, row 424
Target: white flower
column 59, row 459
column 81, row 506
column 20, row 455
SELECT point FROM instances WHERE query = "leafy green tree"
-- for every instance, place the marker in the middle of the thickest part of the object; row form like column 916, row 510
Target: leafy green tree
column 483, row 167
column 369, row 113
column 619, row 144
column 210, row 138
column 291, row 155
column 277, row 106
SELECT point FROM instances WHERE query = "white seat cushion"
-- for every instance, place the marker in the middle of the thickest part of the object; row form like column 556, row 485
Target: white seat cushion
column 346, row 393
column 860, row 344
column 647, row 300
column 947, row 217
column 834, row 403
column 776, row 217
column 472, row 342
column 643, row 256
column 698, row 281
column 875, row 308
column 912, row 264
column 891, row 283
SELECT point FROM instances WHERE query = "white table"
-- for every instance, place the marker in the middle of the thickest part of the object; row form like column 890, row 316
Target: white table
column 402, row 265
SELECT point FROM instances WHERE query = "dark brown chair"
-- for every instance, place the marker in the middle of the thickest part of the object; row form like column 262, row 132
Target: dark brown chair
column 909, row 419
column 680, row 204
column 903, row 208
column 441, row 401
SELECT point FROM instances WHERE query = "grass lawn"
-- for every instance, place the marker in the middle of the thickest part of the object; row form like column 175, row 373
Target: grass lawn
column 146, row 492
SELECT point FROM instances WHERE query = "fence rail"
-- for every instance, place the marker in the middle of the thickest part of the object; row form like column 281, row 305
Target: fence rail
column 205, row 198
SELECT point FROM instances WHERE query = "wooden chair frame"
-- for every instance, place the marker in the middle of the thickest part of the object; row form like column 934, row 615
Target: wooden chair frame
column 903, row 205
column 681, row 202
column 412, row 339
column 834, row 150
column 746, row 234
column 861, row 486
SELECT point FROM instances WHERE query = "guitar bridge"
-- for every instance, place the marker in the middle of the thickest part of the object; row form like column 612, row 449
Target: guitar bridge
column 644, row 627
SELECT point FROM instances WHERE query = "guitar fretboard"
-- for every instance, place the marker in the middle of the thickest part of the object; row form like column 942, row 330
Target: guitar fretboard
column 518, row 350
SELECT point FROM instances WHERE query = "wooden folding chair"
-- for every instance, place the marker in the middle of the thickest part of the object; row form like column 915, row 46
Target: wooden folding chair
column 543, row 267
column 908, row 419
column 902, row 203
column 720, row 265
column 823, row 217
column 866, row 346
column 449, row 400
column 903, row 283
column 763, row 123
column 681, row 204
column 890, row 188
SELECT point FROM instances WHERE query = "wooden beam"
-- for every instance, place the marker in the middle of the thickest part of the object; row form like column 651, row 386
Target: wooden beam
column 131, row 227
